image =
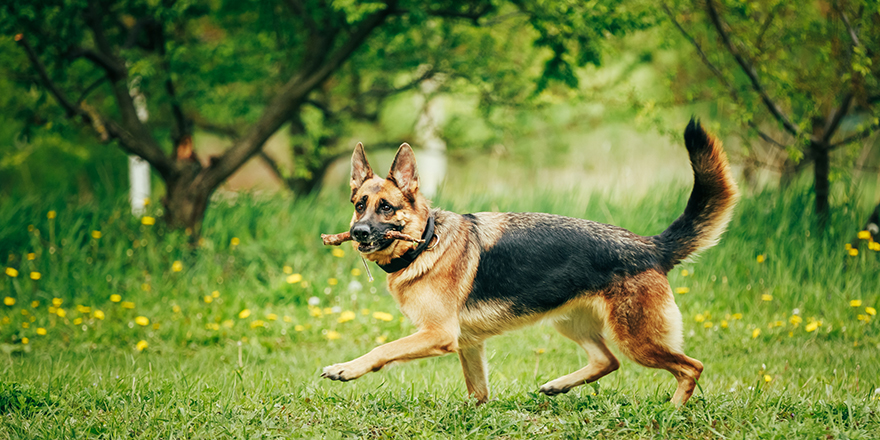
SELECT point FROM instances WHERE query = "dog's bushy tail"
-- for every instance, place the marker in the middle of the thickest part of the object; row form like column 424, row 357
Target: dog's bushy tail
column 710, row 205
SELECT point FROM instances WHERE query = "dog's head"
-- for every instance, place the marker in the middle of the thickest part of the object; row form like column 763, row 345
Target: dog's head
column 382, row 205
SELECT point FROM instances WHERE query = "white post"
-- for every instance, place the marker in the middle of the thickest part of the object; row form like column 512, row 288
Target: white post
column 138, row 169
column 432, row 157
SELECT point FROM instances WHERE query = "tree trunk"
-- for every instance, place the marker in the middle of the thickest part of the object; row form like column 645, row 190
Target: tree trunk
column 820, row 178
column 185, row 202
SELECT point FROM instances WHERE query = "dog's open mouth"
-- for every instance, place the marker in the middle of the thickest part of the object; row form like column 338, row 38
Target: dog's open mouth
column 373, row 246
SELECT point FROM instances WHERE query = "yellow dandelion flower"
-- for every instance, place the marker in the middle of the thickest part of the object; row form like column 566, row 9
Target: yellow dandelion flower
column 365, row 312
column 871, row 311
column 258, row 323
column 9, row 301
column 175, row 308
column 148, row 221
column 127, row 305
column 61, row 313
column 287, row 318
column 235, row 241
column 684, row 272
column 208, row 299
column 287, row 269
column 338, row 253
column 244, row 313
column 294, row 278
column 853, row 252
column 346, row 316
column 332, row 281
column 795, row 320
column 25, row 325
column 682, row 290
column 141, row 345
column 813, row 326
column 861, row 317
column 699, row 317
column 864, row 235
column 315, row 312
column 761, row 258
column 96, row 234
column 77, row 321
column 328, row 311
column 11, row 272
column 176, row 266
column 146, row 201
column 41, row 331
column 381, row 339
column 382, row 316
column 115, row 298
column 874, row 246
column 142, row 321
column 768, row 378
column 298, row 328
column 766, row 297
column 25, row 341
column 35, row 304
column 215, row 294
column 724, row 323
column 272, row 317
column 155, row 326
column 755, row 333
column 36, row 276
column 57, row 301
column 707, row 324
column 333, row 335
column 97, row 314
column 51, row 214
column 855, row 303
column 355, row 272
column 31, row 256
column 228, row 323
column 146, row 287
column 847, row 246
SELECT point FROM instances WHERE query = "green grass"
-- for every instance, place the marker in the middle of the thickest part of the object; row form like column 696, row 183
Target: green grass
column 212, row 370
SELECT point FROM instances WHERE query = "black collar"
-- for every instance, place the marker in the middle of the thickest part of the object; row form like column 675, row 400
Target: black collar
column 410, row 255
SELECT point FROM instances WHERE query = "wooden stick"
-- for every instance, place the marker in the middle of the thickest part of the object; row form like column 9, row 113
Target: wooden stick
column 335, row 239
column 338, row 239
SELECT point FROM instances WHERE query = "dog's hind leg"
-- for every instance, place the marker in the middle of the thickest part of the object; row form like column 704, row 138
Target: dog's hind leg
column 584, row 326
column 647, row 327
column 476, row 376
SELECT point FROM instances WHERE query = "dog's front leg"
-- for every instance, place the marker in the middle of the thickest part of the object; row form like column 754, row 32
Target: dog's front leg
column 424, row 343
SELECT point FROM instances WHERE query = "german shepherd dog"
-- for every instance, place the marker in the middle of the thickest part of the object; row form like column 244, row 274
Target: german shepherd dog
column 479, row 275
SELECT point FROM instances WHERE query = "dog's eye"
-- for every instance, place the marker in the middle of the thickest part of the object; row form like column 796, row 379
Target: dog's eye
column 385, row 208
column 359, row 207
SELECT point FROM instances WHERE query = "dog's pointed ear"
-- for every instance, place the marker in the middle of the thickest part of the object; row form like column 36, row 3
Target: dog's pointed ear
column 360, row 168
column 403, row 172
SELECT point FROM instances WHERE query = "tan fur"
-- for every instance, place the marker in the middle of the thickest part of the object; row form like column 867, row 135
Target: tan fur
column 636, row 311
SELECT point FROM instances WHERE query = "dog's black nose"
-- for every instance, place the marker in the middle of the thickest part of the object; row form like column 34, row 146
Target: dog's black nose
column 360, row 232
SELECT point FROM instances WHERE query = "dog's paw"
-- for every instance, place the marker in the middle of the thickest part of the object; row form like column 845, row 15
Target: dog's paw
column 552, row 389
column 340, row 372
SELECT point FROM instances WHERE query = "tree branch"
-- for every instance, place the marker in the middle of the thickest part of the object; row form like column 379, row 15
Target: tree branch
column 127, row 141
column 857, row 137
column 835, row 118
column 114, row 71
column 720, row 75
column 849, row 29
column 749, row 70
column 288, row 99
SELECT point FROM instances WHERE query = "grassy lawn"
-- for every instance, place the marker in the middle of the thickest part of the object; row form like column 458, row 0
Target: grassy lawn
column 127, row 332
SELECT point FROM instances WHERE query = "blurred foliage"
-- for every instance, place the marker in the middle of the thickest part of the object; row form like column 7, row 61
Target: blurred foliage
column 803, row 77
column 227, row 60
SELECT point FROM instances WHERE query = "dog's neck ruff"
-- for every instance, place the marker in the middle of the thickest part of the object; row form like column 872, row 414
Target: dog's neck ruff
column 406, row 259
